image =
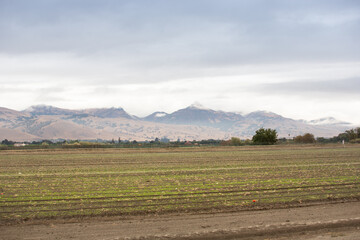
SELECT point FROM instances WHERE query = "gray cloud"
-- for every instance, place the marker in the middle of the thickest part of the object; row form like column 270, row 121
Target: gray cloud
column 50, row 94
column 346, row 87
column 205, row 33
column 103, row 52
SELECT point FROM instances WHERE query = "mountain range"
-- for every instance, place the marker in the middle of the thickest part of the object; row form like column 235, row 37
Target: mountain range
column 192, row 123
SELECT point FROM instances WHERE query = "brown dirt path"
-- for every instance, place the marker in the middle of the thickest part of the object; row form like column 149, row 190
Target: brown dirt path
column 320, row 222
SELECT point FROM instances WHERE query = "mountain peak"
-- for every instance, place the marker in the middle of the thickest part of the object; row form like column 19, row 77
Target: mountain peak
column 156, row 116
column 108, row 112
column 263, row 114
column 197, row 105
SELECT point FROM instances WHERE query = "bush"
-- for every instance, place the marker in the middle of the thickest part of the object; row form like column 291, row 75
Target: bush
column 357, row 140
column 265, row 136
column 306, row 138
column 248, row 142
column 235, row 141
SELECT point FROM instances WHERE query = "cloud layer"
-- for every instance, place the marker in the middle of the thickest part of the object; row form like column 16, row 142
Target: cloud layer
column 162, row 55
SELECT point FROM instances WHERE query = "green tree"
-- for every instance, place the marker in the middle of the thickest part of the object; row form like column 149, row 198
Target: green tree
column 352, row 134
column 343, row 136
column 235, row 141
column 265, row 136
column 7, row 142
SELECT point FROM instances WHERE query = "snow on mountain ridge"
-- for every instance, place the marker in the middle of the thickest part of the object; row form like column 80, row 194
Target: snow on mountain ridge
column 326, row 121
column 197, row 105
column 159, row 115
column 37, row 107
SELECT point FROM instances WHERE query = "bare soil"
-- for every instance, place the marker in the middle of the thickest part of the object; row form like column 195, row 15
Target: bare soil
column 318, row 221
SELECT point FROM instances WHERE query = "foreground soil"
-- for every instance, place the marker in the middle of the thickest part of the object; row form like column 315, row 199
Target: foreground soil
column 318, row 221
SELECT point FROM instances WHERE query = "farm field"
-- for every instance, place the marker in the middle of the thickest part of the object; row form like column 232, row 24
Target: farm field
column 41, row 184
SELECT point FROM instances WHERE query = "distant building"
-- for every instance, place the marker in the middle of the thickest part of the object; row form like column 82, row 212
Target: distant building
column 19, row 144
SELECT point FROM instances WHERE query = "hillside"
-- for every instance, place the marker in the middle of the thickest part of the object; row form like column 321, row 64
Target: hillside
column 192, row 123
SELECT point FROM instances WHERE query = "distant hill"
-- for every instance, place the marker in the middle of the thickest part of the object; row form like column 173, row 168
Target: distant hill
column 41, row 110
column 192, row 123
column 108, row 113
column 197, row 115
column 246, row 125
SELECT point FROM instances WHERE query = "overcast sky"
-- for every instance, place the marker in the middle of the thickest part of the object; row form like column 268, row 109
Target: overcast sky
column 300, row 59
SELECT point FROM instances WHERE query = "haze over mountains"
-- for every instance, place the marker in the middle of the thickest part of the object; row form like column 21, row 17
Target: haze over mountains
column 192, row 123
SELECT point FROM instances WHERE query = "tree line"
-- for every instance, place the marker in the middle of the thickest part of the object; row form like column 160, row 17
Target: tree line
column 262, row 136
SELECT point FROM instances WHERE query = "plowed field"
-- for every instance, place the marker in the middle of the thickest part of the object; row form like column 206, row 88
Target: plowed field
column 96, row 182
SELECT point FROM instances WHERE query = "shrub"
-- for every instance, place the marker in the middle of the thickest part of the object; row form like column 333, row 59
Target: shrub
column 265, row 136
column 235, row 141
column 306, row 138
column 357, row 140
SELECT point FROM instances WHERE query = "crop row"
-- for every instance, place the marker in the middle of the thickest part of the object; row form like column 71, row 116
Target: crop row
column 191, row 201
column 81, row 183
